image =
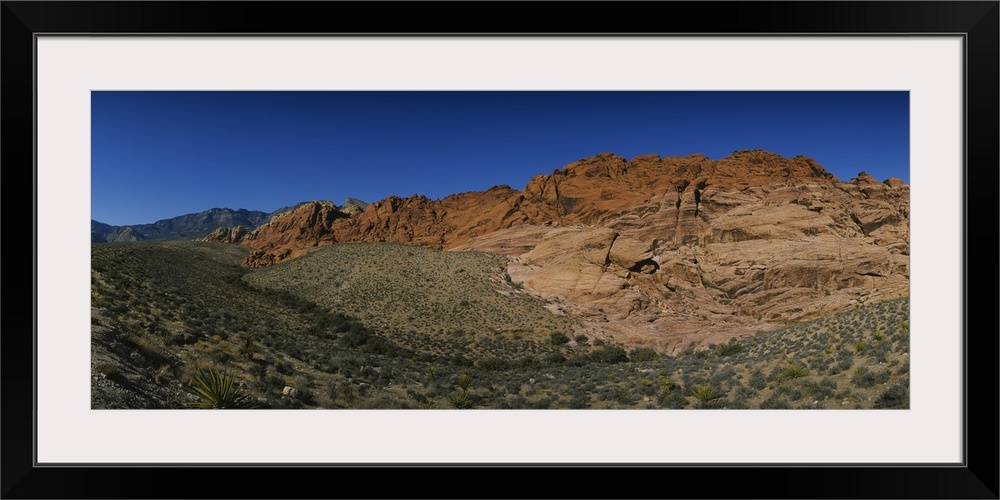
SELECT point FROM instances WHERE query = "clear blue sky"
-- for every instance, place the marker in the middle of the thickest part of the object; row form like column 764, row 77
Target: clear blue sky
column 158, row 155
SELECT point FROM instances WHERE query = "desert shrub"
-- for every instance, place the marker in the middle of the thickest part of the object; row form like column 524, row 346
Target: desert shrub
column 642, row 354
column 845, row 360
column 775, row 402
column 513, row 402
column 355, row 337
column 525, row 362
column 820, row 363
column 553, row 358
column 880, row 352
column 579, row 401
column 491, row 364
column 459, row 360
column 794, row 393
column 543, row 403
column 725, row 374
column 866, row 378
column 609, row 354
column 894, row 397
column 258, row 370
column 378, row 344
column 558, row 338
column 673, row 400
column 729, row 348
column 821, row 389
column 625, row 396
column 757, row 380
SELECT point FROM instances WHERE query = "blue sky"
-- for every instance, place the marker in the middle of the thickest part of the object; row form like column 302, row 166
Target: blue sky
column 157, row 155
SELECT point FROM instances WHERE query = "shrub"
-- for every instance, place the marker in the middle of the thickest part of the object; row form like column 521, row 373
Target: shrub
column 894, row 397
column 579, row 401
column 673, row 400
column 775, row 402
column 731, row 347
column 355, row 337
column 609, row 354
column 217, row 390
column 491, row 364
column 845, row 361
column 642, row 354
column 558, row 338
column 553, row 358
column 822, row 389
column 864, row 378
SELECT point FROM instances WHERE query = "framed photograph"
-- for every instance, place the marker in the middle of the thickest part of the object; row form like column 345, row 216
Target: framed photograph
column 919, row 77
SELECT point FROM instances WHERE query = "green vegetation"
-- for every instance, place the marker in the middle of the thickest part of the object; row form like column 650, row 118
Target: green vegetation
column 217, row 390
column 383, row 326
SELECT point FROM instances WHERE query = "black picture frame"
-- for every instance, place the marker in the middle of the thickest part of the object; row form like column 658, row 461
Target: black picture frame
column 977, row 477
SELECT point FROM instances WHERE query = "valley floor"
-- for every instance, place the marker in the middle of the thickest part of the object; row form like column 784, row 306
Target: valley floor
column 344, row 327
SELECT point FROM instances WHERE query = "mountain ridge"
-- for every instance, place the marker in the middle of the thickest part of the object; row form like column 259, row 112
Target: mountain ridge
column 194, row 225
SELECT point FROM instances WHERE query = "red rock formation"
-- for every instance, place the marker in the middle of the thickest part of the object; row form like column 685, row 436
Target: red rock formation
column 704, row 249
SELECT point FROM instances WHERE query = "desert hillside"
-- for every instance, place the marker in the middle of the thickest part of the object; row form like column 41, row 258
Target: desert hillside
column 380, row 325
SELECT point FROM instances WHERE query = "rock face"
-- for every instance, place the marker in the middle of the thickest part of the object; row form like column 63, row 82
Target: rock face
column 658, row 252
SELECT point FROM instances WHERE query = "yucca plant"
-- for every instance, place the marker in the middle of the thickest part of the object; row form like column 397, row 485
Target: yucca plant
column 464, row 380
column 217, row 390
column 795, row 370
column 460, row 401
column 706, row 393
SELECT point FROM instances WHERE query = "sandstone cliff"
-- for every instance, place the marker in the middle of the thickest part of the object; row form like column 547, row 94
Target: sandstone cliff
column 659, row 252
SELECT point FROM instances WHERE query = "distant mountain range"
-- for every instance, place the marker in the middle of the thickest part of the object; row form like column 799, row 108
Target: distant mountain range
column 194, row 226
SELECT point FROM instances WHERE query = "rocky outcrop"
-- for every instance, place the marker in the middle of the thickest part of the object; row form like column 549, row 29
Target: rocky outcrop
column 353, row 206
column 228, row 235
column 103, row 233
column 655, row 251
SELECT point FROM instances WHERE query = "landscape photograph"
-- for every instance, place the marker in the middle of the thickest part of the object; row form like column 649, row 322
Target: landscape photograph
column 500, row 250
